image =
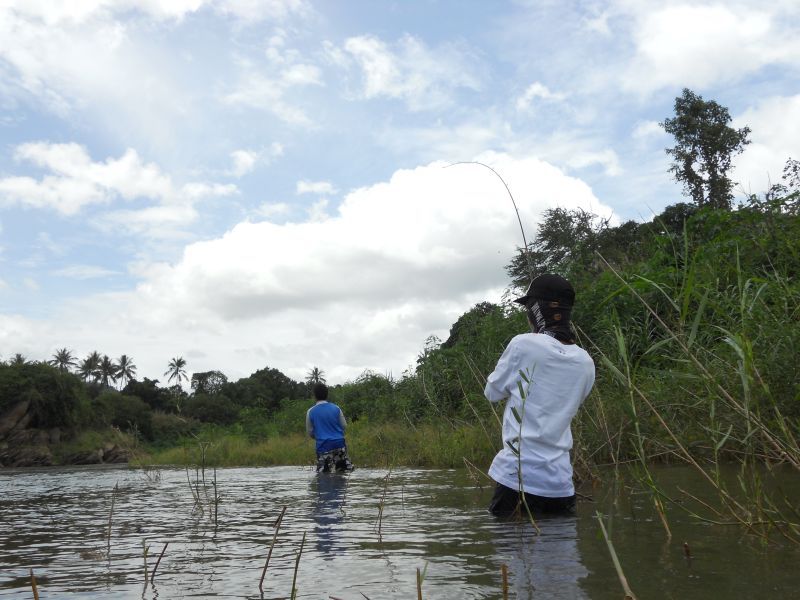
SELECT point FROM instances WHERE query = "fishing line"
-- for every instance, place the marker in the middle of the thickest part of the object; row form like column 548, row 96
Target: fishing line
column 525, row 248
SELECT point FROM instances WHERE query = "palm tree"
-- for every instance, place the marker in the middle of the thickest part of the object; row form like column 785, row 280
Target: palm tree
column 126, row 370
column 315, row 375
column 18, row 360
column 89, row 366
column 106, row 370
column 177, row 370
column 63, row 360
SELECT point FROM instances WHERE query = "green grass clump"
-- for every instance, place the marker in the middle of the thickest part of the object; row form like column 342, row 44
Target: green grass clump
column 369, row 445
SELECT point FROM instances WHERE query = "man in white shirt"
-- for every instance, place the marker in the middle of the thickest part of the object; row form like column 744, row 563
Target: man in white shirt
column 545, row 376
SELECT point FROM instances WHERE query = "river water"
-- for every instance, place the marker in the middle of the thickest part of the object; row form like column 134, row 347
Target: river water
column 366, row 535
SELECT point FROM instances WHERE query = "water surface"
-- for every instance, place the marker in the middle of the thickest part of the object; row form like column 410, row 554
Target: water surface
column 56, row 522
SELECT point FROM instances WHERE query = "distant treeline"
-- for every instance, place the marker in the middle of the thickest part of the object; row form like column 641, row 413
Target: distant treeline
column 698, row 310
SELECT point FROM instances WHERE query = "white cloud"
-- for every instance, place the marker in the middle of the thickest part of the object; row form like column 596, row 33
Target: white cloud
column 318, row 212
column 607, row 159
column 269, row 210
column 424, row 78
column 774, row 123
column 245, row 161
column 259, row 10
column 265, row 87
column 60, row 11
column 363, row 288
column 647, row 129
column 536, row 90
column 694, row 46
column 70, row 56
column 83, row 272
column 316, row 187
column 74, row 181
column 443, row 141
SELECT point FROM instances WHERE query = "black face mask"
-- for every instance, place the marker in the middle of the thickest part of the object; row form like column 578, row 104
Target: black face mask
column 551, row 318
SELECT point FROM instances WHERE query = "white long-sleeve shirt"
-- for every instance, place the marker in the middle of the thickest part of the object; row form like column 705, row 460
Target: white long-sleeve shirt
column 560, row 377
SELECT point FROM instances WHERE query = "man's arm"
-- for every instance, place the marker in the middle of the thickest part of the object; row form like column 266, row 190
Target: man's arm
column 342, row 420
column 504, row 374
column 309, row 425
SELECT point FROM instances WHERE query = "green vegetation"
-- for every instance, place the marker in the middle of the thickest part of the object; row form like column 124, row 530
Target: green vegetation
column 693, row 320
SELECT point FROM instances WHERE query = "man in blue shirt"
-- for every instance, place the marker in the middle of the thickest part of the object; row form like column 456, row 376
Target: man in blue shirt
column 325, row 423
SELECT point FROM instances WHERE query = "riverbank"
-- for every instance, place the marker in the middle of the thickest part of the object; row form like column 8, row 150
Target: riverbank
column 369, row 445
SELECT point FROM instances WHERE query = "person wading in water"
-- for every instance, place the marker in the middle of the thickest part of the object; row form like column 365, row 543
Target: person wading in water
column 546, row 377
column 325, row 423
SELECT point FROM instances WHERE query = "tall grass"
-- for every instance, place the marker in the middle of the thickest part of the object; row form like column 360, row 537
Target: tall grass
column 369, row 445
column 700, row 389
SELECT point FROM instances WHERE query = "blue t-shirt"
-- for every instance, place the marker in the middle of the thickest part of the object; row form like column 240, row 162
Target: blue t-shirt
column 325, row 420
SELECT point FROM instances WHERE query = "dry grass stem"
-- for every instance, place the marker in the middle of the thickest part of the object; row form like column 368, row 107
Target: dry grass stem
column 158, row 562
column 33, row 586
column 110, row 517
column 628, row 593
column 297, row 566
column 277, row 526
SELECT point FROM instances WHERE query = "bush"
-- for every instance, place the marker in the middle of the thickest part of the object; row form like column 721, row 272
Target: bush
column 170, row 428
column 210, row 409
column 128, row 413
column 54, row 396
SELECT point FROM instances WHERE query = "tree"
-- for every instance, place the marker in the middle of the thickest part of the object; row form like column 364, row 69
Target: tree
column 565, row 241
column 315, row 375
column 208, row 382
column 89, row 367
column 18, row 361
column 704, row 147
column 176, row 370
column 106, row 370
column 126, row 370
column 63, row 360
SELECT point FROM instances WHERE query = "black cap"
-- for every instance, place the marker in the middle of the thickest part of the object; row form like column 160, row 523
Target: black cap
column 550, row 287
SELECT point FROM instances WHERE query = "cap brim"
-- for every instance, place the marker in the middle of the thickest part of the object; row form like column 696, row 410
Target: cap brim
column 522, row 299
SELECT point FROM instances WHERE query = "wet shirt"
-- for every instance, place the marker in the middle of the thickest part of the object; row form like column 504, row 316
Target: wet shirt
column 325, row 423
column 545, row 382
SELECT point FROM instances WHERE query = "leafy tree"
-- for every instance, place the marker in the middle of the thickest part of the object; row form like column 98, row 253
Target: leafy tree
column 208, row 382
column 565, row 242
column 63, row 360
column 148, row 390
column 54, row 396
column 468, row 325
column 315, row 375
column 18, row 360
column 106, row 370
column 211, row 409
column 264, row 389
column 126, row 370
column 129, row 413
column 176, row 370
column 89, row 367
column 704, row 147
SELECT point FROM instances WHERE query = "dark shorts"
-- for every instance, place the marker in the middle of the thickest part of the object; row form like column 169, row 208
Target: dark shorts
column 507, row 502
column 336, row 459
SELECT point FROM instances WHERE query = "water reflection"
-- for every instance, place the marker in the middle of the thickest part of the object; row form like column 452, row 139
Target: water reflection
column 546, row 565
column 329, row 491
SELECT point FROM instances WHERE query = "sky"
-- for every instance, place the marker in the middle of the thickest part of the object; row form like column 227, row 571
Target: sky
column 272, row 183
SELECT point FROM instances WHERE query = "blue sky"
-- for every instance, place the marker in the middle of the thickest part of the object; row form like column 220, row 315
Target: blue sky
column 251, row 183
